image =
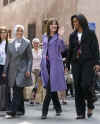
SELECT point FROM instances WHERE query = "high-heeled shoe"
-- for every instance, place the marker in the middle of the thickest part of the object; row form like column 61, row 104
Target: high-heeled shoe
column 80, row 117
column 44, row 116
column 90, row 113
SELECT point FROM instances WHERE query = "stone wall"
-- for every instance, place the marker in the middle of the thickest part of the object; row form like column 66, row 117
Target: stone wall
column 35, row 11
column 91, row 9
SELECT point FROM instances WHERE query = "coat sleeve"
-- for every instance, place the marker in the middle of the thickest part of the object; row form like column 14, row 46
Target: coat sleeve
column 7, row 60
column 61, row 45
column 29, row 57
column 65, row 58
column 95, row 48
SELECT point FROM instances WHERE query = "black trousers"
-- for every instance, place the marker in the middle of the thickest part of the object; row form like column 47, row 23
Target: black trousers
column 83, row 78
column 51, row 96
column 17, row 102
column 4, row 91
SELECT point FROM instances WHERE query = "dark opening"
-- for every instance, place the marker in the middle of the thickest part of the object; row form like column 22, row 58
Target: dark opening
column 31, row 31
column 11, row 1
column 5, row 2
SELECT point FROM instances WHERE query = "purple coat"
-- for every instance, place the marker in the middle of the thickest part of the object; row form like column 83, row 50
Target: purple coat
column 55, row 47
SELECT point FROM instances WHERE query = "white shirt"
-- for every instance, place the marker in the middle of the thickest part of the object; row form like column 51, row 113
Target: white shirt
column 17, row 44
column 37, row 56
column 79, row 34
column 2, row 52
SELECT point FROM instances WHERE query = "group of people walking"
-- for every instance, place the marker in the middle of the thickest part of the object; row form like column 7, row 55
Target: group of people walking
column 17, row 65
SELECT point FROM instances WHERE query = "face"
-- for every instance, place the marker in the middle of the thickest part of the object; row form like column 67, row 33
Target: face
column 35, row 45
column 19, row 33
column 53, row 27
column 3, row 35
column 76, row 24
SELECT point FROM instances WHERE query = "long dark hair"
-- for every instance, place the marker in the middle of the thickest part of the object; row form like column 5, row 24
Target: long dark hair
column 82, row 21
column 4, row 29
column 50, row 23
column 72, row 17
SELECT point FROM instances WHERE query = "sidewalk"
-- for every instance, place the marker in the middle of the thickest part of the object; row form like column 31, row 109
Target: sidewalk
column 33, row 114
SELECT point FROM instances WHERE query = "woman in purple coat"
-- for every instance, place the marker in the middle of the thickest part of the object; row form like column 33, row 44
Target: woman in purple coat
column 52, row 70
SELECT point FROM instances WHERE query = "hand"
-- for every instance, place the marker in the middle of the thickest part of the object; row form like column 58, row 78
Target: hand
column 28, row 74
column 97, row 68
column 4, row 75
column 66, row 70
column 61, row 32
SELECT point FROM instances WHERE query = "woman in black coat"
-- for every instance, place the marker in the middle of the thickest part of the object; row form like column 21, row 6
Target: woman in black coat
column 83, row 56
column 3, row 81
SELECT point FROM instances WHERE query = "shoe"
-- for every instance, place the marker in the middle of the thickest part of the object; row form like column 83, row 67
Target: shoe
column 37, row 103
column 9, row 116
column 44, row 117
column 31, row 103
column 20, row 113
column 58, row 113
column 11, row 113
column 89, row 115
column 80, row 117
column 64, row 103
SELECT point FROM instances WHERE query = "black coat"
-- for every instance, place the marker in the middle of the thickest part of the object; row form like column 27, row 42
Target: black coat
column 3, row 80
column 89, row 48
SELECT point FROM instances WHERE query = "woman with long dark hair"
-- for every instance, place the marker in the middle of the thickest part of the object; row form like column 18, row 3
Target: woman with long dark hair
column 3, row 81
column 83, row 55
column 52, row 70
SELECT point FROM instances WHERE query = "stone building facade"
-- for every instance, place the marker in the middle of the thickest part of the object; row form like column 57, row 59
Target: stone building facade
column 34, row 14
column 91, row 9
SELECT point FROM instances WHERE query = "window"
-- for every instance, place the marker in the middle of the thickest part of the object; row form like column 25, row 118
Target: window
column 6, row 2
column 11, row 1
column 31, row 31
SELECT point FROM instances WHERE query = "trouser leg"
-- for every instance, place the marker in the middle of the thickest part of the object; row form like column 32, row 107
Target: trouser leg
column 17, row 100
column 79, row 96
column 56, row 101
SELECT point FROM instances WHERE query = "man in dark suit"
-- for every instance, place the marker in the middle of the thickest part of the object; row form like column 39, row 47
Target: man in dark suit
column 83, row 56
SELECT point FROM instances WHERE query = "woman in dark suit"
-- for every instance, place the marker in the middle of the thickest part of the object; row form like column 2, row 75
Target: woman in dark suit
column 3, row 81
column 84, row 56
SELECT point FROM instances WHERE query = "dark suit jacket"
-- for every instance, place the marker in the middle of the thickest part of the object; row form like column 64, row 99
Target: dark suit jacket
column 89, row 48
